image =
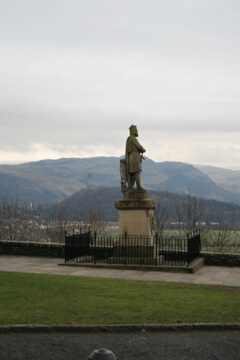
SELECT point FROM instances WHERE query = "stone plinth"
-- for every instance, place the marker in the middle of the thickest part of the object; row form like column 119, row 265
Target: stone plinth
column 136, row 215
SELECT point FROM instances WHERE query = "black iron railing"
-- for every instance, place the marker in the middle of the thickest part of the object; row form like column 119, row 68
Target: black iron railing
column 77, row 244
column 86, row 248
column 193, row 245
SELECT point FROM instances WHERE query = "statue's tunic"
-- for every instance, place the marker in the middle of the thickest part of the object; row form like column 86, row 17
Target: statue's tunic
column 133, row 158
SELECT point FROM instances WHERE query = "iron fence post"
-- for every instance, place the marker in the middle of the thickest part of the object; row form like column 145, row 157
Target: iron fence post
column 73, row 241
column 65, row 246
column 125, row 246
column 95, row 242
column 156, row 244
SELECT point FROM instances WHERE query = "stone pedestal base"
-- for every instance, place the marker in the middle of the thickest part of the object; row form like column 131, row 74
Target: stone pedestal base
column 136, row 226
column 136, row 216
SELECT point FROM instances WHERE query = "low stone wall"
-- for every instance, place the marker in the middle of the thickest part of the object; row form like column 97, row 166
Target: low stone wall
column 31, row 249
column 57, row 250
column 218, row 259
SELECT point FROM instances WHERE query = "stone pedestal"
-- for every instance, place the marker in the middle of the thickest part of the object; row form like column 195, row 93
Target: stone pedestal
column 136, row 228
column 136, row 214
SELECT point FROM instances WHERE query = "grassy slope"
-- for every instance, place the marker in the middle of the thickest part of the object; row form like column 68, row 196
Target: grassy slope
column 48, row 299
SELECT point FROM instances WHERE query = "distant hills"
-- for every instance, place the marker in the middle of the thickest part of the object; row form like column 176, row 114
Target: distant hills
column 50, row 181
column 105, row 197
column 227, row 179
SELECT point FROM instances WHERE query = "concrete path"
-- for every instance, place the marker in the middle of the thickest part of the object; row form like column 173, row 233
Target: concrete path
column 210, row 275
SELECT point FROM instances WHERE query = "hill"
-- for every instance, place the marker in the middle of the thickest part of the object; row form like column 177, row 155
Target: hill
column 227, row 179
column 105, row 197
column 49, row 181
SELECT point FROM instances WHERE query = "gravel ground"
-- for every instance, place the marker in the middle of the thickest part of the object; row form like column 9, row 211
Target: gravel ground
column 184, row 345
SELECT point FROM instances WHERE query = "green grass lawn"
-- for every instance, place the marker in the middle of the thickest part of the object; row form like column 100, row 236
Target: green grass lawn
column 53, row 299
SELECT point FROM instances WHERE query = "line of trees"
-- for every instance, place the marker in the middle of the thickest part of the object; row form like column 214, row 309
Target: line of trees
column 16, row 222
column 191, row 215
column 20, row 223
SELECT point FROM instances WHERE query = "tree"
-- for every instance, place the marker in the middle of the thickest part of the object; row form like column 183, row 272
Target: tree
column 220, row 234
column 189, row 212
column 95, row 217
column 161, row 214
column 17, row 222
column 57, row 223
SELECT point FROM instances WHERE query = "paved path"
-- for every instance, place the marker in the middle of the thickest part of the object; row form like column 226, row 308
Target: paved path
column 210, row 275
column 197, row 345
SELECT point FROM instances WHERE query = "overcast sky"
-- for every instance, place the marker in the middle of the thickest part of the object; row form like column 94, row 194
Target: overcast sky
column 75, row 74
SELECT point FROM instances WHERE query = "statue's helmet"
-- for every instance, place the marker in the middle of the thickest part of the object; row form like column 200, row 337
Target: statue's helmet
column 133, row 130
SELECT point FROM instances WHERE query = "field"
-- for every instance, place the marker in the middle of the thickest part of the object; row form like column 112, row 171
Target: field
column 52, row 300
column 234, row 236
column 214, row 241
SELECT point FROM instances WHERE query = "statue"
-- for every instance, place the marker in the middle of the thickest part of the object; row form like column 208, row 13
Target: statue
column 135, row 209
column 131, row 168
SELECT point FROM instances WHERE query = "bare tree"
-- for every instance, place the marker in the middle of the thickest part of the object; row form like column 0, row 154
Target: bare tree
column 189, row 213
column 220, row 235
column 161, row 215
column 78, row 216
column 15, row 221
column 191, row 216
column 57, row 223
column 95, row 217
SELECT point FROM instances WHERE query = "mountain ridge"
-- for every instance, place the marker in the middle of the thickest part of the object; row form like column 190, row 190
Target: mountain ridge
column 226, row 178
column 48, row 181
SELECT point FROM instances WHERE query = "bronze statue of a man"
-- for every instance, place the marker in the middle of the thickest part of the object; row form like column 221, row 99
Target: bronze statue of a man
column 133, row 159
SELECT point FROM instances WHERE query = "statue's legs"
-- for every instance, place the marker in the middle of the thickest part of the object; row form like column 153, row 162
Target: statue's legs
column 132, row 180
column 135, row 177
column 138, row 181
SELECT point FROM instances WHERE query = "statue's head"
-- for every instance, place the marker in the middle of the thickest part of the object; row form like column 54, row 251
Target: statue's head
column 133, row 130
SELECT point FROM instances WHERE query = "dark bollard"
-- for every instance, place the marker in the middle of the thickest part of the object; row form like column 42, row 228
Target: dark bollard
column 102, row 354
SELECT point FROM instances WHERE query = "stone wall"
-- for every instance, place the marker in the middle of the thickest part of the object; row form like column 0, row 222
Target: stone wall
column 218, row 259
column 31, row 249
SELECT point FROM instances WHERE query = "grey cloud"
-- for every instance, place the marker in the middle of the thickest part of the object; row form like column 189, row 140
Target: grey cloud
column 106, row 22
column 77, row 73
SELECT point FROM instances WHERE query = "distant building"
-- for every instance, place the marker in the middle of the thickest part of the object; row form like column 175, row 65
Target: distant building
column 89, row 181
